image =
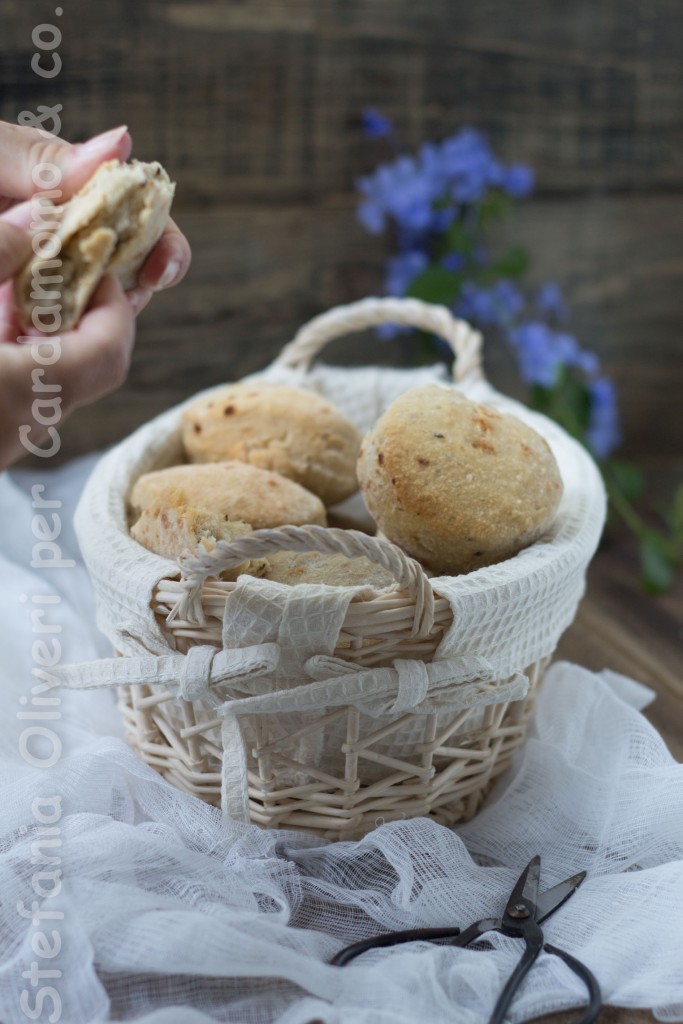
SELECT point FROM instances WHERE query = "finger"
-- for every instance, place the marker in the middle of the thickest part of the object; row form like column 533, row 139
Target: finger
column 168, row 261
column 138, row 299
column 24, row 150
column 95, row 357
column 91, row 361
column 9, row 320
column 15, row 250
column 20, row 215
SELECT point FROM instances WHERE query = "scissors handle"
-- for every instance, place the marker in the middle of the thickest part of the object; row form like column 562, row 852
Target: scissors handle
column 533, row 944
column 587, row 977
column 344, row 956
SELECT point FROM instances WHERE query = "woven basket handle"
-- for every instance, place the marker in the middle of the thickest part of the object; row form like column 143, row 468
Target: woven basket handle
column 409, row 575
column 313, row 336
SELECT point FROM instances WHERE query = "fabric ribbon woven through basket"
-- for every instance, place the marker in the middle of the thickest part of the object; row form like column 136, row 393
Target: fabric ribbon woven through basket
column 322, row 708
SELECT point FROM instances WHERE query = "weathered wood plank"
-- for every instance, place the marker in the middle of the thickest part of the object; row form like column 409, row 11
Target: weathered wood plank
column 254, row 108
column 260, row 100
column 259, row 273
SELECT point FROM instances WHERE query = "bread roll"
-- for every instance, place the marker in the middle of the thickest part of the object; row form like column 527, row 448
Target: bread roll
column 335, row 570
column 110, row 225
column 170, row 526
column 456, row 484
column 235, row 490
column 292, row 431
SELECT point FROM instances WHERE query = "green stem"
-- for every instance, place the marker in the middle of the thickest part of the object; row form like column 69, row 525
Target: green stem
column 623, row 507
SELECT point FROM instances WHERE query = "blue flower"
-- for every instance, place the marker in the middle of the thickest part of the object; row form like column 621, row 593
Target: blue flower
column 508, row 300
column 603, row 433
column 541, row 351
column 537, row 353
column 453, row 261
column 518, row 181
column 422, row 194
column 587, row 362
column 499, row 305
column 403, row 269
column 371, row 214
column 475, row 304
column 468, row 166
column 571, row 354
column 443, row 219
column 375, row 125
column 387, row 332
column 398, row 190
column 550, row 301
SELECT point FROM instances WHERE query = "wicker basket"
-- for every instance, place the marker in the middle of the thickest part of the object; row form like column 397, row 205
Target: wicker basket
column 400, row 717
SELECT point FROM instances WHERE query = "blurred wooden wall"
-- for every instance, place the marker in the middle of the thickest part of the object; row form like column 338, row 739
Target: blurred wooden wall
column 253, row 106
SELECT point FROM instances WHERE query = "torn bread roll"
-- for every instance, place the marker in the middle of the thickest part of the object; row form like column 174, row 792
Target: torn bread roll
column 170, row 526
column 109, row 226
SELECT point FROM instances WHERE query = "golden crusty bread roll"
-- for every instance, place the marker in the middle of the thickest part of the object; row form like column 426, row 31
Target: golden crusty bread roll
column 456, row 484
column 233, row 489
column 292, row 431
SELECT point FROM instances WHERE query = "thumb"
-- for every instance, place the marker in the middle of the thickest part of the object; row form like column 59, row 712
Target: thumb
column 15, row 250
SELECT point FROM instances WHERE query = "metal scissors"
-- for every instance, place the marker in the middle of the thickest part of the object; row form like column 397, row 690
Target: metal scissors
column 525, row 910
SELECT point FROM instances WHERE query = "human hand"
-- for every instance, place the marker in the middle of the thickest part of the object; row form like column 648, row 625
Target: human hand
column 23, row 149
column 94, row 358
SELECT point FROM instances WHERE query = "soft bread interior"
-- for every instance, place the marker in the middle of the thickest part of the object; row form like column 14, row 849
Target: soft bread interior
column 110, row 225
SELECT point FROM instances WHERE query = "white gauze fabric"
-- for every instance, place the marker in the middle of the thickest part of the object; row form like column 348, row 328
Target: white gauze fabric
column 170, row 916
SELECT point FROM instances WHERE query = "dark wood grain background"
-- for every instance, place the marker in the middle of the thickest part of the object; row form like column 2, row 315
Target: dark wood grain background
column 253, row 105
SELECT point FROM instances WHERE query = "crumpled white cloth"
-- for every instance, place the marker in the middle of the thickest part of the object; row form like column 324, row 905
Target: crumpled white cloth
column 169, row 917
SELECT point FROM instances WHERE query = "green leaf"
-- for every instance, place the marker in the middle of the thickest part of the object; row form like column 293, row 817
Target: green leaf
column 657, row 567
column 627, row 477
column 495, row 206
column 541, row 399
column 435, row 284
column 458, row 239
column 567, row 402
column 514, row 263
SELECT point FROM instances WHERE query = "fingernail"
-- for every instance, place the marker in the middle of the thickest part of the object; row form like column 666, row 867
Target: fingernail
column 168, row 277
column 101, row 143
column 138, row 299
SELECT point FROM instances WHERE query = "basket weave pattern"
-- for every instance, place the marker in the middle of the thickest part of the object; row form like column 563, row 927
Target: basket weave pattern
column 336, row 772
column 445, row 776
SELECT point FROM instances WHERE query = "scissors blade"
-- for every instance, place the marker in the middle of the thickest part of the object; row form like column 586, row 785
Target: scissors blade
column 552, row 899
column 526, row 887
